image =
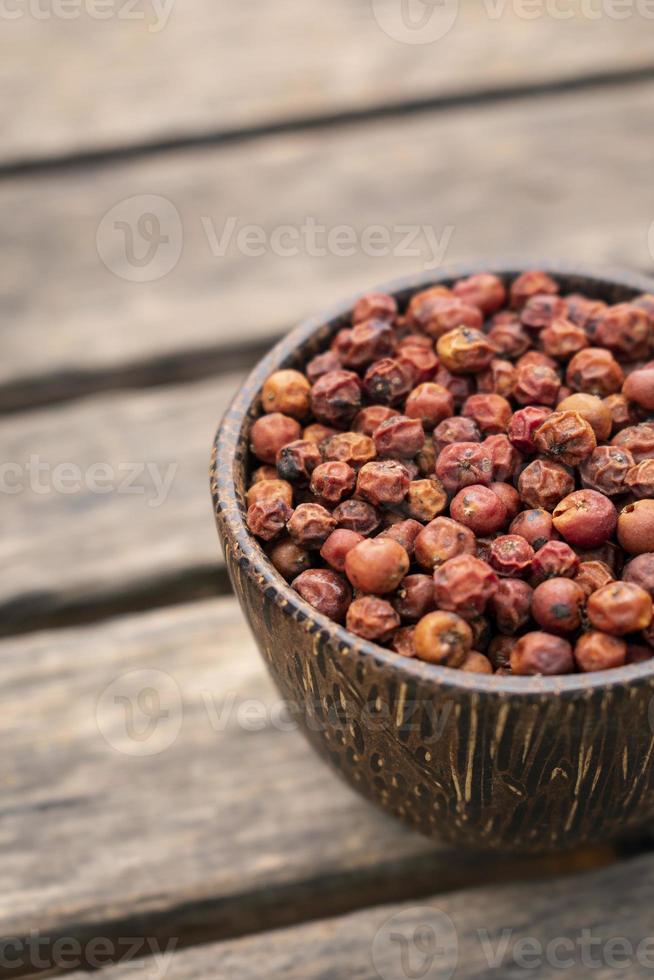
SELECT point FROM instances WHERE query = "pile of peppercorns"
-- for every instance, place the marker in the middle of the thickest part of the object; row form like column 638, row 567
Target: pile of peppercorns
column 470, row 481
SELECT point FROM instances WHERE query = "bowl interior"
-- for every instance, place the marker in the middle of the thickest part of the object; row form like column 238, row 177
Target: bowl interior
column 231, row 462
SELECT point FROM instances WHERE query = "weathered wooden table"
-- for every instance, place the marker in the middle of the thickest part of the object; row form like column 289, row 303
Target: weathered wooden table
column 157, row 804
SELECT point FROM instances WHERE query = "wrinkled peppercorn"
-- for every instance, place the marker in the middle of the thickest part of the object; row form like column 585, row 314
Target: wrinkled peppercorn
column 465, row 350
column 464, row 464
column 592, row 575
column 374, row 304
column 431, row 403
column 443, row 638
column 414, row 597
column 388, row 381
column 523, row 426
column 511, row 605
column 399, row 436
column 536, row 384
column 270, row 490
column 541, row 310
column 270, row 433
column 554, row 559
column 535, row 526
column 267, row 517
column 623, row 329
column 310, row 525
column 455, row 430
column 357, row 515
column 336, row 398
column 640, row 479
column 565, row 436
column 508, row 335
column 441, row 540
column 322, row 364
column 543, row 483
column 638, row 439
column 297, row 460
column 437, row 314
column 483, row 290
column 372, row 618
column 530, row 284
column 562, row 338
column 464, row 585
column 541, row 653
column 425, row 499
column 620, row 608
column 326, row 591
column 491, row 412
column 368, row 341
column 510, row 555
column 591, row 408
column 383, row 483
column 333, row 481
column 606, row 469
column 405, row 533
column 595, row 371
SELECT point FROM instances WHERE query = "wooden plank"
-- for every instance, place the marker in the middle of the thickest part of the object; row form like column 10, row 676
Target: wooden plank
column 112, row 504
column 597, row 924
column 149, row 72
column 573, row 194
column 196, row 813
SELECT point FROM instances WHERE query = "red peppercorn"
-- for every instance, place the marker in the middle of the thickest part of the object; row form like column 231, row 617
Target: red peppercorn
column 336, row 398
column 376, row 565
column 267, row 517
column 492, row 413
column 562, row 338
column 483, row 290
column 624, row 329
column 399, row 436
column 455, row 430
column 431, row 403
column 595, row 371
column 511, row 605
column 441, row 540
column 510, row 555
column 529, row 284
column 414, row 597
column 370, row 417
column 288, row 558
column 542, row 484
column 322, row 364
column 420, row 362
column 557, row 605
column 599, row 651
column 425, row 499
column 317, row 433
column 639, row 388
column 585, row 518
column 620, row 411
column 620, row 608
column 372, row 618
column 337, row 545
column 437, row 314
column 288, row 392
column 504, row 458
column 387, row 381
column 458, row 385
column 554, row 559
column 536, row 384
column 357, row 515
column 352, row 448
column 464, row 585
column 541, row 653
column 640, row 571
column 541, row 310
column 270, row 433
column 332, row 481
column 405, row 533
column 383, row 483
column 565, row 436
column 581, row 310
column 374, row 304
column 443, row 638
column 310, row 525
column 640, row 479
column 270, row 490
column 403, row 641
column 508, row 335
column 636, row 527
column 368, row 341
column 297, row 460
column 523, row 425
column 606, row 469
column 465, row 350
column 535, row 526
column 498, row 378
column 591, row 408
column 464, row 464
column 479, row 509
column 592, row 575
column 638, row 439
column 326, row 591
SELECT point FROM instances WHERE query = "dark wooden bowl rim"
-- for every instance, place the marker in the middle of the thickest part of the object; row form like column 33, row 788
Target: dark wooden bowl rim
column 229, row 458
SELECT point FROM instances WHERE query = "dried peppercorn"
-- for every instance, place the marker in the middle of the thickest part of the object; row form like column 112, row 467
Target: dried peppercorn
column 368, row 341
column 565, row 436
column 620, row 608
column 261, row 473
column 640, row 571
column 585, row 518
column 638, row 439
column 541, row 309
column 399, row 436
column 455, row 430
column 498, row 378
column 543, row 483
column 443, row 638
column 483, row 290
column 441, row 540
column 623, row 329
column 621, row 412
column 529, row 284
column 383, row 483
column 557, row 605
column 318, row 433
column 288, row 392
column 510, row 555
column 536, row 384
column 636, row 527
column 310, row 525
column 332, row 481
column 562, row 338
column 581, row 309
column 554, row 559
column 430, row 403
column 599, row 651
column 511, row 605
column 464, row 585
column 352, row 448
column 523, row 426
column 326, row 591
column 595, row 371
column 357, row 515
column 437, row 314
column 606, row 470
column 414, row 597
column 270, row 490
column 640, row 479
column 322, row 364
column 541, row 653
column 459, row 386
column 425, row 499
column 422, row 363
column 376, row 565
column 297, row 460
column 535, row 526
column 267, row 517
column 405, row 533
column 591, row 408
column 372, row 618
column 270, row 433
column 337, row 545
column 639, row 388
column 403, row 641
column 592, row 575
column 370, row 417
column 388, row 381
column 479, row 509
column 464, row 464
column 508, row 335
column 336, row 398
column 381, row 306
column 491, row 412
column 288, row 558
column 465, row 350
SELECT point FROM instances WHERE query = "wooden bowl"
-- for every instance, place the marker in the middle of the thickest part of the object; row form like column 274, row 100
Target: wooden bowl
column 516, row 763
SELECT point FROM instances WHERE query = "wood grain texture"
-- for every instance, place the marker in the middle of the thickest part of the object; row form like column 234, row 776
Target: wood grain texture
column 597, row 924
column 151, row 72
column 573, row 193
column 72, row 547
column 227, row 824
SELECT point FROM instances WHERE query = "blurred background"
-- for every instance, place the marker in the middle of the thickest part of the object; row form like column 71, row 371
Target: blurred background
column 180, row 183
